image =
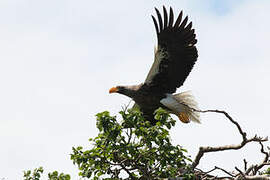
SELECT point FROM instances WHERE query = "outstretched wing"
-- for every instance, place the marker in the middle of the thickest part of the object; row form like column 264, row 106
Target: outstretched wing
column 175, row 54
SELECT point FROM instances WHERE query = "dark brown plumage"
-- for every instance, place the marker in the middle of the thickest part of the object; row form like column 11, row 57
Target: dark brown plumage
column 177, row 41
column 175, row 56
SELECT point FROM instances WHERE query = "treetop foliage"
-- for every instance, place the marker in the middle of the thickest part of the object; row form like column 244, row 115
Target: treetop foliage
column 131, row 148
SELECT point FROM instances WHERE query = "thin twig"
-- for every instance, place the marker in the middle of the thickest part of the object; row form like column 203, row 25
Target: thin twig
column 245, row 164
column 230, row 174
column 240, row 172
column 265, row 160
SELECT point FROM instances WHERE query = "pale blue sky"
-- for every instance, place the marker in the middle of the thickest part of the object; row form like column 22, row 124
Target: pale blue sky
column 217, row 7
column 59, row 58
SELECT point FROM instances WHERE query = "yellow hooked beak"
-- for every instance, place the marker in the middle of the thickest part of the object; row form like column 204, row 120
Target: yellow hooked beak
column 113, row 90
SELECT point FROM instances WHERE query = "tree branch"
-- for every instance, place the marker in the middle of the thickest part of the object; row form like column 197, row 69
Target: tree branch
column 203, row 150
column 265, row 160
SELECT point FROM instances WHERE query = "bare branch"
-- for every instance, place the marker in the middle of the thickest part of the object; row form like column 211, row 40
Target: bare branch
column 230, row 174
column 257, row 167
column 229, row 117
column 203, row 150
column 265, row 160
column 206, row 175
column 258, row 177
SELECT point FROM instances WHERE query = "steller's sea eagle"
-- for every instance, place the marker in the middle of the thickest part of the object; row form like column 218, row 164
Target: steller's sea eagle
column 175, row 56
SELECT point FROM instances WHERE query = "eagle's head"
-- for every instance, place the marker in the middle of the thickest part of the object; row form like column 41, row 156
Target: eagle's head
column 129, row 91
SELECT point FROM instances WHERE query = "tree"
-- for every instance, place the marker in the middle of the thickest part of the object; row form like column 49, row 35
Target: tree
column 132, row 148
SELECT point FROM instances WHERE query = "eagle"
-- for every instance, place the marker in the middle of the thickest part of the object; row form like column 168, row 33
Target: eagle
column 174, row 58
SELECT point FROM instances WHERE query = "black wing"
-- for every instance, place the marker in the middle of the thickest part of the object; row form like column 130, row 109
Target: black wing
column 175, row 55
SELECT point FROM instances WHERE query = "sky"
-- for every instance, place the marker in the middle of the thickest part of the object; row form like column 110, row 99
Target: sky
column 58, row 60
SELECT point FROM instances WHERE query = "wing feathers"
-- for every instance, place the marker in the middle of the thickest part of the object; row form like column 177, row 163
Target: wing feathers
column 159, row 20
column 188, row 28
column 156, row 25
column 165, row 17
column 175, row 55
column 188, row 33
column 178, row 19
column 189, row 38
column 183, row 24
column 193, row 41
column 171, row 18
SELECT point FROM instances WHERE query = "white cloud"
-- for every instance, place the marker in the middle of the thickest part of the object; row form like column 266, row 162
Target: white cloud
column 58, row 60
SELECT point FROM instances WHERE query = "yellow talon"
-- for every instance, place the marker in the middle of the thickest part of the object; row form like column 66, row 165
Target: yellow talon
column 183, row 117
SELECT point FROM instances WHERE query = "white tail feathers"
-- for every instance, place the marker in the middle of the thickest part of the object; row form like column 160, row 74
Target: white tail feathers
column 182, row 105
column 189, row 104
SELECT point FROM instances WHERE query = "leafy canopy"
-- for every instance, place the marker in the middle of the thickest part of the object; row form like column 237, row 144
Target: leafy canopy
column 132, row 149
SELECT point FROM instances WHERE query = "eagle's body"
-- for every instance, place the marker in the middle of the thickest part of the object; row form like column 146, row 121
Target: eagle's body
column 174, row 58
